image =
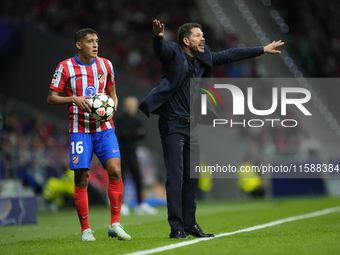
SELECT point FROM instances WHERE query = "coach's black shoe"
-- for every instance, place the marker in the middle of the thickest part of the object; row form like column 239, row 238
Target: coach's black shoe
column 178, row 234
column 196, row 231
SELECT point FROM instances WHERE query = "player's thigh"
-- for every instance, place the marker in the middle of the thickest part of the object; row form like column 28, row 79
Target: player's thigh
column 106, row 146
column 81, row 149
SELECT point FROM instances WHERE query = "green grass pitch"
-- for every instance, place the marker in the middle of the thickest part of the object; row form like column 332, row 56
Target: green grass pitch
column 59, row 233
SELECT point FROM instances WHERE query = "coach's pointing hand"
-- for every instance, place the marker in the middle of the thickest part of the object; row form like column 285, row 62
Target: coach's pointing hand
column 271, row 48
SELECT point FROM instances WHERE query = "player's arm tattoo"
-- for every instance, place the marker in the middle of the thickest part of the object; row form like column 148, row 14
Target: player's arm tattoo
column 52, row 92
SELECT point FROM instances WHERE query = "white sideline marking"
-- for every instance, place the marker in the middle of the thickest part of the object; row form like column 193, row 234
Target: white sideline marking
column 269, row 224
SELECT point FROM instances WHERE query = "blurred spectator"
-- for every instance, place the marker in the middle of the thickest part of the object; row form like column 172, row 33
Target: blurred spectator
column 59, row 190
column 130, row 130
column 309, row 146
column 250, row 181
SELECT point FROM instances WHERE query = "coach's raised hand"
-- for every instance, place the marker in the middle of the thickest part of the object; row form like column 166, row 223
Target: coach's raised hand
column 158, row 28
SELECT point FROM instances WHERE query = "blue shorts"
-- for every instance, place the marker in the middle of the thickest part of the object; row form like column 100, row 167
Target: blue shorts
column 82, row 146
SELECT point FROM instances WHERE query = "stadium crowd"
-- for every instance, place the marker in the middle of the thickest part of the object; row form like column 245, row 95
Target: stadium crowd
column 315, row 27
column 124, row 29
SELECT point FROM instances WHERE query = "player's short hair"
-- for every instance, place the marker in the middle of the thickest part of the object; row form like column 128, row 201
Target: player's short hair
column 82, row 33
column 185, row 31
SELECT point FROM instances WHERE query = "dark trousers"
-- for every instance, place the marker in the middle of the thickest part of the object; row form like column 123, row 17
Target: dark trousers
column 180, row 149
column 129, row 162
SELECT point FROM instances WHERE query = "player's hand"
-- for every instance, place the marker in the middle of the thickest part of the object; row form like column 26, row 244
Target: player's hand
column 158, row 28
column 108, row 118
column 271, row 48
column 82, row 103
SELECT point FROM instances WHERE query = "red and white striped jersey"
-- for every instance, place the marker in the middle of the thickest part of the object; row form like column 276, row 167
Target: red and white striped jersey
column 78, row 79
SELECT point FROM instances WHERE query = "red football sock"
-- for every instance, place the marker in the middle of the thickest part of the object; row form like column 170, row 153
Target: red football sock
column 115, row 192
column 82, row 205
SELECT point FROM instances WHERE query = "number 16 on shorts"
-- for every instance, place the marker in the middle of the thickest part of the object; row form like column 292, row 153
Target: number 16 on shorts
column 80, row 151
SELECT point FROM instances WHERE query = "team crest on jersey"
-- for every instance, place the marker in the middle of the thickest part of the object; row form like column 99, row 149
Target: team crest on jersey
column 101, row 77
column 75, row 159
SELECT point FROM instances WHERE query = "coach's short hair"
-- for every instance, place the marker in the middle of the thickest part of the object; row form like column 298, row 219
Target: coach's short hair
column 82, row 33
column 185, row 31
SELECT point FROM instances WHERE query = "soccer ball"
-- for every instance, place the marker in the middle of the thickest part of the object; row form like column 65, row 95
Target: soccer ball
column 102, row 106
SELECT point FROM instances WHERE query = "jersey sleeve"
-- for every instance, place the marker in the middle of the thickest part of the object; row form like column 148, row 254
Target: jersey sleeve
column 110, row 76
column 59, row 79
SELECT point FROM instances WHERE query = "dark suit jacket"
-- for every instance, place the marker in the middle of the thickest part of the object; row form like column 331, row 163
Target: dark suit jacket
column 175, row 68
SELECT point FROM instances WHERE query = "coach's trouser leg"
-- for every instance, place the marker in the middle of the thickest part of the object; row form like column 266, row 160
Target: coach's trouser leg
column 190, row 183
column 173, row 142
